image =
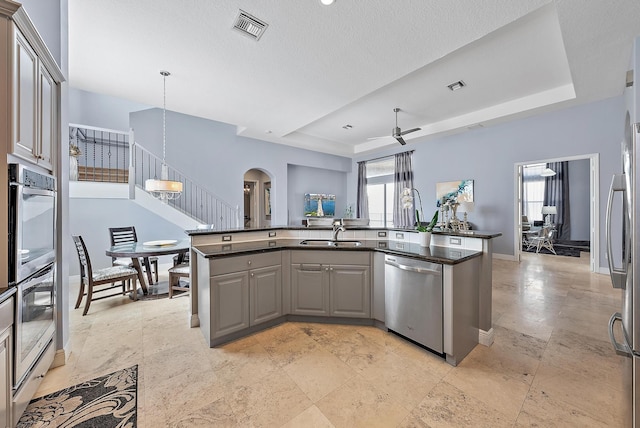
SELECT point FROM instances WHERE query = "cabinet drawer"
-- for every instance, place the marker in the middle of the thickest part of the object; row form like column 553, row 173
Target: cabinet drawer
column 456, row 242
column 331, row 257
column 241, row 263
column 6, row 314
column 31, row 383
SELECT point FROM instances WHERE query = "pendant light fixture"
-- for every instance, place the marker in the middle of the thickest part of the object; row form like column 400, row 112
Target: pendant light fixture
column 547, row 172
column 164, row 189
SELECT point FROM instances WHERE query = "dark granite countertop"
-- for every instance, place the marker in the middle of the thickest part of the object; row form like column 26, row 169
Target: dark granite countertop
column 444, row 255
column 5, row 293
column 470, row 233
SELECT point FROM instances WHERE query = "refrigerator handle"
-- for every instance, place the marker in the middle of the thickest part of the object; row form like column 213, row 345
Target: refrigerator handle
column 618, row 275
column 620, row 348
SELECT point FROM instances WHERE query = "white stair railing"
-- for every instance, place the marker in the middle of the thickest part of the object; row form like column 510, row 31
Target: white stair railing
column 113, row 156
column 195, row 201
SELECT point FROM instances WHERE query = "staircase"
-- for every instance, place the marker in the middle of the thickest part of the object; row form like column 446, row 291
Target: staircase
column 108, row 156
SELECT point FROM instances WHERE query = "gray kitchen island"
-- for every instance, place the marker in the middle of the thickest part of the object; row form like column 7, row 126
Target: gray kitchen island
column 247, row 280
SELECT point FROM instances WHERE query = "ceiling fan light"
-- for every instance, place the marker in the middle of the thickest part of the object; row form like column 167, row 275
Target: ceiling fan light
column 327, row 2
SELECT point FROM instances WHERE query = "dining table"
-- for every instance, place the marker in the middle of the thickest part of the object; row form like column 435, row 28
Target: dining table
column 144, row 250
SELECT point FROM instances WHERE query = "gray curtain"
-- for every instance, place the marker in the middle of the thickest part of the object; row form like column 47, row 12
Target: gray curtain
column 403, row 178
column 362, row 205
column 556, row 193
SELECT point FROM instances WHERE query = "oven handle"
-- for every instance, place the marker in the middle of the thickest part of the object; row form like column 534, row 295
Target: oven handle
column 31, row 282
column 32, row 190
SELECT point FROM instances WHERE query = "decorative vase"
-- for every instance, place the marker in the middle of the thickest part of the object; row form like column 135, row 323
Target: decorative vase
column 73, row 168
column 424, row 238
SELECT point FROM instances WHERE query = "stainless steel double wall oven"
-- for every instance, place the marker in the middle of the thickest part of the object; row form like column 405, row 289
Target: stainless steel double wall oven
column 32, row 226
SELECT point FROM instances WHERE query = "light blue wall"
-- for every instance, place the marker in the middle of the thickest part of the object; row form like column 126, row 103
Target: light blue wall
column 579, row 199
column 214, row 156
column 488, row 155
column 101, row 111
column 314, row 180
column 46, row 16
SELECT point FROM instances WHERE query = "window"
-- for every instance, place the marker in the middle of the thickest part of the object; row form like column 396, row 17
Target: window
column 380, row 191
column 533, row 191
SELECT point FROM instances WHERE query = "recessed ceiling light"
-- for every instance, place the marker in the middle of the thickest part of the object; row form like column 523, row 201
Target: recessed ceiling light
column 347, row 126
column 457, row 85
column 327, row 2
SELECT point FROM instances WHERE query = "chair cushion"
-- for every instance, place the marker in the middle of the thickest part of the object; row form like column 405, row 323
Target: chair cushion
column 180, row 269
column 113, row 272
column 123, row 262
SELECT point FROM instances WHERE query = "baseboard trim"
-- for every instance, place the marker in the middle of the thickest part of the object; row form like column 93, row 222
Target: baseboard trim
column 486, row 337
column 194, row 321
column 60, row 358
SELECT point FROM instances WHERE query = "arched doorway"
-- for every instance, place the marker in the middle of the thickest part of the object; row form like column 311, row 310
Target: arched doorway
column 257, row 198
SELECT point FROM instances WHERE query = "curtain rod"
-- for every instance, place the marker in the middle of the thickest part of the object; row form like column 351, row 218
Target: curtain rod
column 388, row 156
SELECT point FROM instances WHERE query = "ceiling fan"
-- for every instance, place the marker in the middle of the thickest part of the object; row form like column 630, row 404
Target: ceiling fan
column 396, row 132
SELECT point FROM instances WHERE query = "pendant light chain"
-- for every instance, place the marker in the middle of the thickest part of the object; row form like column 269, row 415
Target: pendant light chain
column 164, row 117
column 163, row 188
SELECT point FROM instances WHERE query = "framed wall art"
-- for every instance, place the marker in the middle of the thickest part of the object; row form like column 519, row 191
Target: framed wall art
column 319, row 205
column 454, row 191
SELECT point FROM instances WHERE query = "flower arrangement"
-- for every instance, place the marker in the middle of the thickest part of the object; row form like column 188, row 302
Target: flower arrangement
column 407, row 202
column 74, row 150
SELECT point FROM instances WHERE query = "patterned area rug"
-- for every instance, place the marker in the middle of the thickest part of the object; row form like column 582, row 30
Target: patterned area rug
column 106, row 401
column 564, row 248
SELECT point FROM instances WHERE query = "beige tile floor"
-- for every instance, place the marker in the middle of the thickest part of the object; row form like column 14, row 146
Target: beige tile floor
column 551, row 363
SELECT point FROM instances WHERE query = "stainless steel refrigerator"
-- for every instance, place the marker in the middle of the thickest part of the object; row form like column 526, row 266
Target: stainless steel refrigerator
column 623, row 249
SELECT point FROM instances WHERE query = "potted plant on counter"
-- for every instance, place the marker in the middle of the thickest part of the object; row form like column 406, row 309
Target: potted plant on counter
column 424, row 232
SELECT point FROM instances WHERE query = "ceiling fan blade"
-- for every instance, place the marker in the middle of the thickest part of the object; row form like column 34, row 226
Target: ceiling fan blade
column 410, row 130
column 400, row 139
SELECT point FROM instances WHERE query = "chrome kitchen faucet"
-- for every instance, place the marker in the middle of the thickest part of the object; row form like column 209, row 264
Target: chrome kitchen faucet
column 337, row 228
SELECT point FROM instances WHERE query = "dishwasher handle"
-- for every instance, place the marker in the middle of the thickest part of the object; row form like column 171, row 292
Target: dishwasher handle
column 412, row 268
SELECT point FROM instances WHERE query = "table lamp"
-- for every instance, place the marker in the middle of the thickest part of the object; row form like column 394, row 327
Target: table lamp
column 548, row 210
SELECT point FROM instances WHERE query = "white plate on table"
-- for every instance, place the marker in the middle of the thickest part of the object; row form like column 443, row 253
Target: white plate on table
column 160, row 243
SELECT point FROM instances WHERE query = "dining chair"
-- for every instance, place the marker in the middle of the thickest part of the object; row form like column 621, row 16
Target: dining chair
column 127, row 235
column 543, row 240
column 175, row 273
column 93, row 280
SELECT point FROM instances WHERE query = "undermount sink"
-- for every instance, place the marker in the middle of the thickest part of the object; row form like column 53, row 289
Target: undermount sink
column 330, row 243
column 347, row 243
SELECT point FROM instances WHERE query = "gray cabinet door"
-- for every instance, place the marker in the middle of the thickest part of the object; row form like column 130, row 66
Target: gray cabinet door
column 350, row 291
column 310, row 289
column 5, row 378
column 47, row 118
column 25, row 100
column 230, row 303
column 266, row 294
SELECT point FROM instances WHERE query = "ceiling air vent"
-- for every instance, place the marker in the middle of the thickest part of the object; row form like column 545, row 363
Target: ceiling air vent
column 250, row 25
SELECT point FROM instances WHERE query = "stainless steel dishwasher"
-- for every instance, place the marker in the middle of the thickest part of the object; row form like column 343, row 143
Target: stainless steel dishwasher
column 413, row 300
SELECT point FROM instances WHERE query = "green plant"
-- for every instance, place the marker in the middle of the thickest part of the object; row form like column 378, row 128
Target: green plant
column 430, row 226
